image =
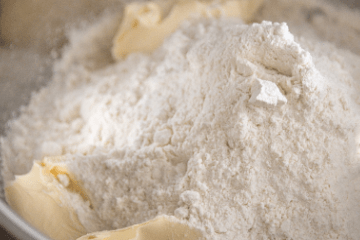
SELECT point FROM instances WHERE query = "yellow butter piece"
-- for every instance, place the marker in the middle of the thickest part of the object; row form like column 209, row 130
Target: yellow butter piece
column 36, row 197
column 161, row 228
column 144, row 26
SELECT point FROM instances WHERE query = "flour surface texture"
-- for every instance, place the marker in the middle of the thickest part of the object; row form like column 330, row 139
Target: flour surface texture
column 242, row 131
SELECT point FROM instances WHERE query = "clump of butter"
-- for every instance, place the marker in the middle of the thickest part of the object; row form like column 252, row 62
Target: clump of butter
column 160, row 228
column 37, row 196
column 145, row 26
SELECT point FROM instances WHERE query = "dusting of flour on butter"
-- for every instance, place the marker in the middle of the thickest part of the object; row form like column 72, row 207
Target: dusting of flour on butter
column 242, row 131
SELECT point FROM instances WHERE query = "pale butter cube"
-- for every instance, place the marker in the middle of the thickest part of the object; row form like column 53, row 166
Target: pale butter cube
column 266, row 94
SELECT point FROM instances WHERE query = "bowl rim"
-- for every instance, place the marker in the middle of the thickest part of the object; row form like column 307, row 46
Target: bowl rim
column 17, row 226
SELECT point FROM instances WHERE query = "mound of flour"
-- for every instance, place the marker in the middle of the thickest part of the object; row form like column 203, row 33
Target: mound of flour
column 243, row 131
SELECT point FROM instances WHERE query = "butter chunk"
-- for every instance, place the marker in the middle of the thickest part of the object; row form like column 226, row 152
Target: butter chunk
column 160, row 228
column 145, row 26
column 36, row 197
column 265, row 94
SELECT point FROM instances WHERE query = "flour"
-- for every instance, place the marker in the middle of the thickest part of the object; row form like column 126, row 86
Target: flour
column 176, row 132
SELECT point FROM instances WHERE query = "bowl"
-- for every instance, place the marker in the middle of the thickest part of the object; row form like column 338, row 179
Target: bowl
column 25, row 63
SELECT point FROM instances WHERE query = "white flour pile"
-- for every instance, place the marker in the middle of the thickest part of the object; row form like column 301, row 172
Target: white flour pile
column 242, row 130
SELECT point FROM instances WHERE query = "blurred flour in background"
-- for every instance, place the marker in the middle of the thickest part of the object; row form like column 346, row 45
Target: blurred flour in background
column 192, row 131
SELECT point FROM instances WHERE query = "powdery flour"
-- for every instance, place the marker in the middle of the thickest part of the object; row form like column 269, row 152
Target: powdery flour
column 243, row 131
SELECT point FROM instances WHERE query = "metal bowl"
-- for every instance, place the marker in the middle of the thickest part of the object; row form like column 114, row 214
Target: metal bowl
column 34, row 67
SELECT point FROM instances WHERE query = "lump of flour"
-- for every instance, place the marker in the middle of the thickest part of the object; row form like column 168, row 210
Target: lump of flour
column 236, row 129
column 266, row 93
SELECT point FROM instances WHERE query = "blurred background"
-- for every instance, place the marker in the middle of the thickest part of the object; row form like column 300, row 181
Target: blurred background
column 32, row 33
